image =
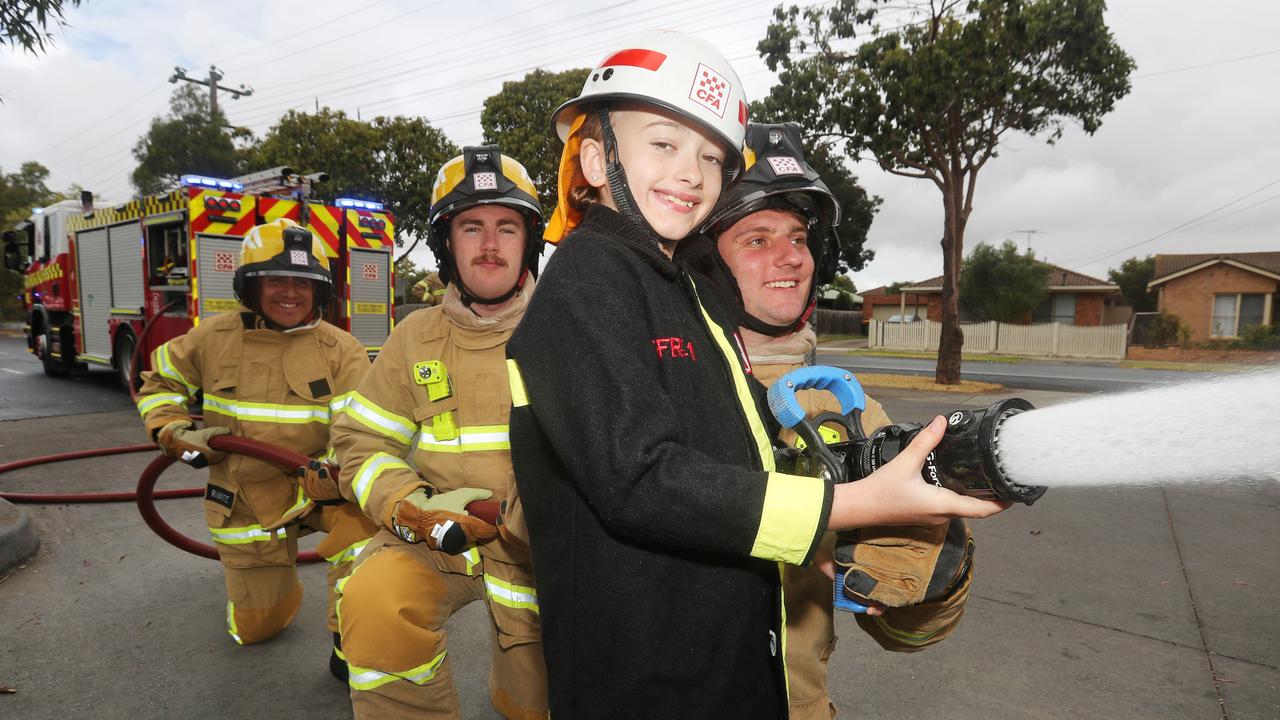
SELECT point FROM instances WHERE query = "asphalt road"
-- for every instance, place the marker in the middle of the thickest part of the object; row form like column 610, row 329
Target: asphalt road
column 1031, row 375
column 1121, row 602
column 26, row 392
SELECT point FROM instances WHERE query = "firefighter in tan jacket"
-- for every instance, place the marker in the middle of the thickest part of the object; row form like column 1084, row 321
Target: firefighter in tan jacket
column 430, row 289
column 276, row 372
column 774, row 244
column 424, row 435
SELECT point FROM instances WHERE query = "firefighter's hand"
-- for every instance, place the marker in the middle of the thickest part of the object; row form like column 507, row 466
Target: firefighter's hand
column 896, row 495
column 319, row 480
column 180, row 439
column 905, row 565
column 441, row 520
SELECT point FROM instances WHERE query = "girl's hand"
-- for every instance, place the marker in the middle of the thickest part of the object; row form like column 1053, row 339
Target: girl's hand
column 896, row 495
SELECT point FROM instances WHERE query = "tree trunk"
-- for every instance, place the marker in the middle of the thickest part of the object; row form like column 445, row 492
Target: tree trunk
column 952, row 340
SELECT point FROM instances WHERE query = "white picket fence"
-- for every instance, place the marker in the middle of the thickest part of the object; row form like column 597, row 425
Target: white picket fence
column 1045, row 340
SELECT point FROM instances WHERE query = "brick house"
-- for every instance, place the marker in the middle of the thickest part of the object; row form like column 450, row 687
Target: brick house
column 1074, row 299
column 880, row 304
column 1218, row 294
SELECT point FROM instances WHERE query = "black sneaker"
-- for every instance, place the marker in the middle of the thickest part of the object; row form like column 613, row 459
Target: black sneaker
column 337, row 663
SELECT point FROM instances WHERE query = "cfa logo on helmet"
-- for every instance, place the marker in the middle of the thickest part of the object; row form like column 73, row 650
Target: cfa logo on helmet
column 709, row 89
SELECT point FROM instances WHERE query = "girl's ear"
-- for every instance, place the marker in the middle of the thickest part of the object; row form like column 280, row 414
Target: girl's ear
column 591, row 158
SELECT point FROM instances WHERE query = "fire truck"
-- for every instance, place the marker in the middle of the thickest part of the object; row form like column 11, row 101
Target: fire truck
column 94, row 279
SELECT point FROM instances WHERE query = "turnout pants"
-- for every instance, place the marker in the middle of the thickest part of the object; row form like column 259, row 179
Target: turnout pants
column 260, row 565
column 811, row 638
column 392, row 611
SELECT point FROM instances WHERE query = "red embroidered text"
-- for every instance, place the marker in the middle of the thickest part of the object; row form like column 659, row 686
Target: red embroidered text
column 674, row 347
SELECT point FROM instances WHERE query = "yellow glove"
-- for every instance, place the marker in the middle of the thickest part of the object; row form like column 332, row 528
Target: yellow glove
column 906, row 565
column 441, row 520
column 180, row 439
column 319, row 480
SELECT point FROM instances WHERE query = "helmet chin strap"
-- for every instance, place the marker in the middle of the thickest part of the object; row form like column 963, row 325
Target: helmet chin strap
column 617, row 176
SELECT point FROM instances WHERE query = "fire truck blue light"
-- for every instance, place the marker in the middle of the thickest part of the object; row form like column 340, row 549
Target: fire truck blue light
column 358, row 204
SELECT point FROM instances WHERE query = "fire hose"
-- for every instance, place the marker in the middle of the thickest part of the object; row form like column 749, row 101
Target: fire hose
column 146, row 494
column 966, row 459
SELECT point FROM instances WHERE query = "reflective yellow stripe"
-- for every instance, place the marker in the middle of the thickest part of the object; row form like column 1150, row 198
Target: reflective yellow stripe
column 231, row 623
column 473, row 558
column 338, row 403
column 369, row 472
column 789, row 520
column 763, row 447
column 379, row 420
column 348, row 553
column 164, row 366
column 147, row 403
column 473, row 438
column 510, row 595
column 245, row 535
column 903, row 636
column 266, row 412
column 368, row 679
column 792, row 504
column 519, row 398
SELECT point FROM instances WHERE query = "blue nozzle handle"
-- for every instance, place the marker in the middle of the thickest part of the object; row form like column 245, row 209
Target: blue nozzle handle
column 841, row 383
column 842, row 601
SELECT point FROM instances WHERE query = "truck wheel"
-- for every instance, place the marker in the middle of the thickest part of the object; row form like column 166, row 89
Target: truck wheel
column 53, row 366
column 125, row 346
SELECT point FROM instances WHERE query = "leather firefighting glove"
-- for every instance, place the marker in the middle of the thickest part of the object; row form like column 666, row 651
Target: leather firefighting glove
column 441, row 520
column 180, row 439
column 319, row 480
column 904, row 565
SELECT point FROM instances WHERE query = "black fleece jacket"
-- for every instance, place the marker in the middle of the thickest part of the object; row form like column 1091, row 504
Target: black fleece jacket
column 644, row 467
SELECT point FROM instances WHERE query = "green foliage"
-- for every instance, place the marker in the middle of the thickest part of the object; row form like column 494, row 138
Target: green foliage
column 516, row 119
column 1132, row 277
column 1167, row 329
column 20, row 192
column 1257, row 337
column 407, row 275
column 187, row 141
column 391, row 160
column 894, row 288
column 1002, row 284
column 932, row 98
column 25, row 23
column 845, row 302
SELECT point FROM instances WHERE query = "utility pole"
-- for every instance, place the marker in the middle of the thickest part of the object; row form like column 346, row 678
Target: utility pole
column 180, row 73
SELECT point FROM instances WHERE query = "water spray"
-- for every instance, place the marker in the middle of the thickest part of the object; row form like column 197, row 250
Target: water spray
column 967, row 460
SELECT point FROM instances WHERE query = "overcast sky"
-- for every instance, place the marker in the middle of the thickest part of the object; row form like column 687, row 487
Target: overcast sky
column 1197, row 136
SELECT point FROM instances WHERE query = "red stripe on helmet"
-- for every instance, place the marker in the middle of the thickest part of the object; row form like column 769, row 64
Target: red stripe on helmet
column 742, row 113
column 647, row 59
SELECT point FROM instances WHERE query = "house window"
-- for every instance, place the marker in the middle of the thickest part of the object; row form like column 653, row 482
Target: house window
column 1231, row 313
column 1059, row 308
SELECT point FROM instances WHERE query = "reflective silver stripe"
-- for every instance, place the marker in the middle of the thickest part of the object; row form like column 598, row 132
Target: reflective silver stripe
column 266, row 412
column 379, row 420
column 367, row 679
column 147, row 403
column 470, row 439
column 243, row 535
column 369, row 472
column 513, row 596
column 348, row 553
column 338, row 403
column 165, row 367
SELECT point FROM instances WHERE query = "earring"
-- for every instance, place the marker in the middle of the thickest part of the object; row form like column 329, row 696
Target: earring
column 595, row 178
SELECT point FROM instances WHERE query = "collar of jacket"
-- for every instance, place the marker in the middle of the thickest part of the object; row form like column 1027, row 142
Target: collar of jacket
column 603, row 219
column 789, row 349
column 478, row 333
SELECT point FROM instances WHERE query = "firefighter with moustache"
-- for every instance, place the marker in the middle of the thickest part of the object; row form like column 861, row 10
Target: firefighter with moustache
column 425, row 435
column 770, row 243
column 273, row 371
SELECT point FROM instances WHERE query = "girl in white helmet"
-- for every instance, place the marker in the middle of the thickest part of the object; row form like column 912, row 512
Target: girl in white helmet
column 655, row 516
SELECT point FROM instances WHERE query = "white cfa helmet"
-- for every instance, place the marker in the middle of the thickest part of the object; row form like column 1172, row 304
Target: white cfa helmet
column 679, row 72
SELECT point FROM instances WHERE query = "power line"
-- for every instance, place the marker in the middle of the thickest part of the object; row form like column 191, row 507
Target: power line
column 1209, row 64
column 294, row 35
column 1175, row 228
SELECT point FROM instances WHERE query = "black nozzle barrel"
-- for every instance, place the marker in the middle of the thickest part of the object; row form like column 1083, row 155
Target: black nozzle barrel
column 966, row 460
